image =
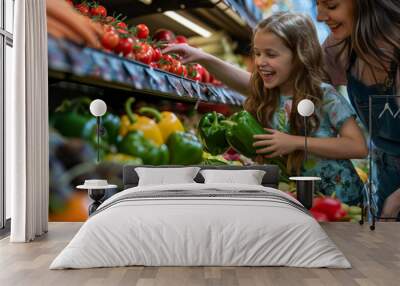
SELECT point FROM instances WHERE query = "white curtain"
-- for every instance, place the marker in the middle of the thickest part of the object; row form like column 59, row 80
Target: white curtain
column 27, row 171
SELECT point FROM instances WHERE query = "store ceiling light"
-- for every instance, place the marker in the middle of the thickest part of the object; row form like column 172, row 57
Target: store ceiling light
column 188, row 24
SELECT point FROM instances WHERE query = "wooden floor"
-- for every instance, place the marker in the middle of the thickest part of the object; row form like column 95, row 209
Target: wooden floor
column 375, row 257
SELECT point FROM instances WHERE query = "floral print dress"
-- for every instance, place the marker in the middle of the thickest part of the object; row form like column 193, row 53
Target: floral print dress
column 337, row 176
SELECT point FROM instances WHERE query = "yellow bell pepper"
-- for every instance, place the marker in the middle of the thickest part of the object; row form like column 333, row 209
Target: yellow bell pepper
column 168, row 122
column 148, row 126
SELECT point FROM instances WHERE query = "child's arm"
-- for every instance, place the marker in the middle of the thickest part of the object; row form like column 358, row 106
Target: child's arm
column 229, row 74
column 350, row 145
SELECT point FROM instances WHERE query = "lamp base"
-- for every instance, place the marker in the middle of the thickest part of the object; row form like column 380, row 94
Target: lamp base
column 97, row 195
column 305, row 189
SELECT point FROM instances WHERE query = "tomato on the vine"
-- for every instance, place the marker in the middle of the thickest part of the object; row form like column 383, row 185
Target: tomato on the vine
column 144, row 53
column 124, row 46
column 193, row 73
column 122, row 25
column 142, row 31
column 156, row 54
column 110, row 40
column 83, row 8
column 98, row 10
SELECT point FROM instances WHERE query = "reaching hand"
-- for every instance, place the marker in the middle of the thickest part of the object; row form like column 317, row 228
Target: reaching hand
column 189, row 54
column 64, row 22
column 277, row 143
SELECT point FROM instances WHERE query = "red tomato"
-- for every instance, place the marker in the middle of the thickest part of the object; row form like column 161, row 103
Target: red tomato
column 328, row 206
column 167, row 58
column 176, row 68
column 124, row 46
column 153, row 65
column 110, row 40
column 181, row 39
column 193, row 73
column 319, row 216
column 70, row 2
column 98, row 10
column 164, row 36
column 83, row 8
column 205, row 76
column 122, row 25
column 156, row 54
column 142, row 31
column 144, row 53
column 185, row 72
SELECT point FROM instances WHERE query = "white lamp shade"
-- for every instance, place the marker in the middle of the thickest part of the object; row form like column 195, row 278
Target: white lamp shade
column 98, row 107
column 305, row 107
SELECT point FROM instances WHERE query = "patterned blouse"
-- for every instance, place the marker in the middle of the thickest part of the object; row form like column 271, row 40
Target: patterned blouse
column 337, row 176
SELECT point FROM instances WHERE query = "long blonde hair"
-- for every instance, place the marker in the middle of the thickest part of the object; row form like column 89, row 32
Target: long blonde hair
column 299, row 34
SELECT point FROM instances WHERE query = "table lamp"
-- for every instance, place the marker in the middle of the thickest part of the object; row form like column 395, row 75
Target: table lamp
column 98, row 108
column 305, row 185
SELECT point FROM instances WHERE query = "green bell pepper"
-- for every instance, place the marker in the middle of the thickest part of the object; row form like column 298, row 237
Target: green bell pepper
column 184, row 148
column 70, row 117
column 135, row 144
column 212, row 133
column 111, row 124
column 240, row 129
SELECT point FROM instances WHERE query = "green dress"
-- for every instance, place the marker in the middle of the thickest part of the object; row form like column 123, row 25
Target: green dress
column 337, row 176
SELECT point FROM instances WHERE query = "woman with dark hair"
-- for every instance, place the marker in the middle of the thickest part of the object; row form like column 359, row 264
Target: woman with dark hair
column 363, row 52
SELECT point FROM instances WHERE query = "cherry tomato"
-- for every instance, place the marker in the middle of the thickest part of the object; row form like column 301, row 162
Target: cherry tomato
column 154, row 65
column 181, row 39
column 122, row 25
column 98, row 10
column 156, row 54
column 110, row 40
column 82, row 8
column 193, row 73
column 124, row 46
column 142, row 31
column 144, row 53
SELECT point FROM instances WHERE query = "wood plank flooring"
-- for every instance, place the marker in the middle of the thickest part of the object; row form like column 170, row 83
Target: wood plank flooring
column 375, row 257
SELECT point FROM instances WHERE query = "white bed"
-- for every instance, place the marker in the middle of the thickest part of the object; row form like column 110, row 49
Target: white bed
column 224, row 225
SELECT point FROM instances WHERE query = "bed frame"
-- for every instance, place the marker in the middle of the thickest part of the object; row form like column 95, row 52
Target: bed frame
column 270, row 179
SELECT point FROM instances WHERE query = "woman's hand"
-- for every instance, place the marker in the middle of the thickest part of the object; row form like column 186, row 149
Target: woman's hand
column 189, row 54
column 277, row 143
column 64, row 22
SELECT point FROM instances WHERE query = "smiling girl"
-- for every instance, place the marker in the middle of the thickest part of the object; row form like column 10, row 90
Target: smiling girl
column 288, row 61
column 289, row 68
column 363, row 52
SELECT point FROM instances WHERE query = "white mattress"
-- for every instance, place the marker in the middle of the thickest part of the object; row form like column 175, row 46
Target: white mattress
column 200, row 231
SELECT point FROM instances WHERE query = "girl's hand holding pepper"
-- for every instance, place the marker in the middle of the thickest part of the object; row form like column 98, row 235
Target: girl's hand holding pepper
column 277, row 143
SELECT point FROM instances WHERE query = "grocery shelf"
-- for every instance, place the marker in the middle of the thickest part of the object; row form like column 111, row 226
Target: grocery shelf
column 70, row 62
column 236, row 17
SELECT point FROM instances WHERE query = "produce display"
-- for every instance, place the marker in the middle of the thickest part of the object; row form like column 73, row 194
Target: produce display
column 137, row 43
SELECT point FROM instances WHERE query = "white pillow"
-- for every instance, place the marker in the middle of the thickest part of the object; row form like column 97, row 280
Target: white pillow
column 248, row 177
column 163, row 176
